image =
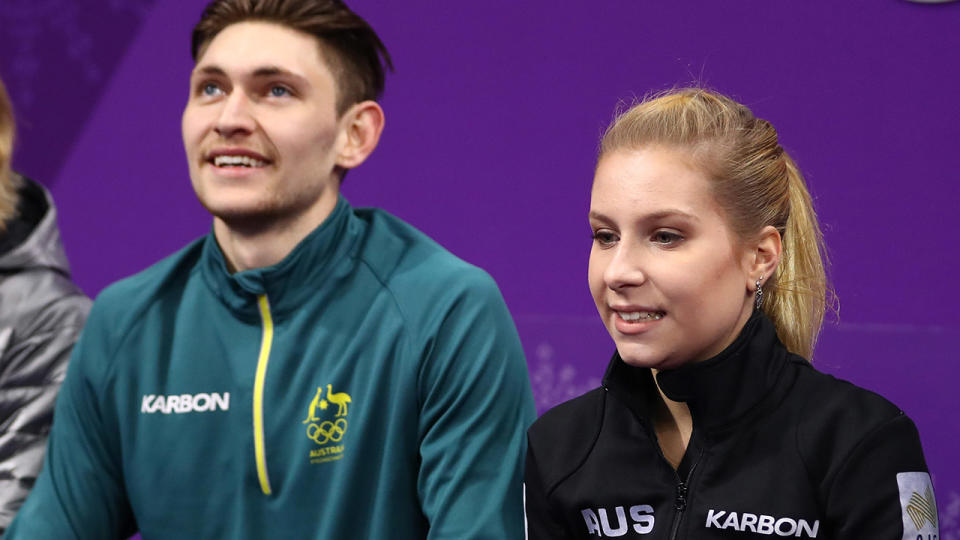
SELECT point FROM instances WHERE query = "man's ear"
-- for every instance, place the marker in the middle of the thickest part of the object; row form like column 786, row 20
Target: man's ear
column 362, row 126
column 764, row 256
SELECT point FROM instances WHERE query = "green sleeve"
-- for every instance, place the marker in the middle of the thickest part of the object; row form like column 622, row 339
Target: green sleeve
column 79, row 493
column 475, row 407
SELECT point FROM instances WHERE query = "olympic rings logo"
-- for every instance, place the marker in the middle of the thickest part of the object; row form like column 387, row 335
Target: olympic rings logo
column 327, row 431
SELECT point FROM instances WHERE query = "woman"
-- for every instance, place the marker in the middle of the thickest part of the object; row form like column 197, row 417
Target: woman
column 706, row 270
column 41, row 313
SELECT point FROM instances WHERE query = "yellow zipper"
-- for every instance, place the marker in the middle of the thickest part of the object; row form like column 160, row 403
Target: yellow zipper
column 258, row 437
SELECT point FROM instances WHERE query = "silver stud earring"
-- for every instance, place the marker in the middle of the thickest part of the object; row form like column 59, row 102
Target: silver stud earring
column 759, row 296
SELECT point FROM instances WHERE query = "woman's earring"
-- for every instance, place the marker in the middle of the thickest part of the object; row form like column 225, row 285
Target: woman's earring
column 759, row 295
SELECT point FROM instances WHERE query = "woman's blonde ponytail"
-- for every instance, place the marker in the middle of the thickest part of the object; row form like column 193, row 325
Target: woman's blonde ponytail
column 796, row 298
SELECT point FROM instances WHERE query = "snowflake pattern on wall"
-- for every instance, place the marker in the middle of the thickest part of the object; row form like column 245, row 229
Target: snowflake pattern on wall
column 57, row 56
column 950, row 517
column 34, row 28
column 554, row 381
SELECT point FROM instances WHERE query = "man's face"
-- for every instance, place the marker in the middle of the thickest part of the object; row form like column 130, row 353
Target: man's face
column 260, row 129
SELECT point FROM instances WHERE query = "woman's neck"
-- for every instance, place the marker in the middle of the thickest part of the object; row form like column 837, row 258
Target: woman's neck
column 673, row 425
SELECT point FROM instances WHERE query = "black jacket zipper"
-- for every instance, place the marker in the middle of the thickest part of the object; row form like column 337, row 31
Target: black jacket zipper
column 680, row 503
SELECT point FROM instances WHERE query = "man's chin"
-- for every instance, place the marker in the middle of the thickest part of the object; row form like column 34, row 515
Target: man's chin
column 245, row 217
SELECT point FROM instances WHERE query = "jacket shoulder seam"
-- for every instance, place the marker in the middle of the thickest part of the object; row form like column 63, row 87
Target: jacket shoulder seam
column 589, row 449
column 133, row 319
column 856, row 448
column 386, row 287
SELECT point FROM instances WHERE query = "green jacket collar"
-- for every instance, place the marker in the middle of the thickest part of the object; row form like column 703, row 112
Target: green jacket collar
column 304, row 272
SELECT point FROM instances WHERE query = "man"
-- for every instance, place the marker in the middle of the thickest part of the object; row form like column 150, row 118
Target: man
column 307, row 370
column 41, row 314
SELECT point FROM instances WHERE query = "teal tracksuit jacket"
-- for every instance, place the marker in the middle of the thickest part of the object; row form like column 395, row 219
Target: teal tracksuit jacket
column 370, row 385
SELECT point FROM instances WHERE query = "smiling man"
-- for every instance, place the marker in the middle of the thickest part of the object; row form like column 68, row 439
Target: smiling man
column 308, row 369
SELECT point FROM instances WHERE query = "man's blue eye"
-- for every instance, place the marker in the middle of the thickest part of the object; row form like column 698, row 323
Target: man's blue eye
column 210, row 89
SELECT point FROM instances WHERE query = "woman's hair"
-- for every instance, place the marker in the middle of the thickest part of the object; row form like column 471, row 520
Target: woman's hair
column 8, row 181
column 756, row 184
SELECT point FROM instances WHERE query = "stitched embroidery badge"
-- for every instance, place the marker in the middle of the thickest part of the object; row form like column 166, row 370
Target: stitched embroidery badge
column 326, row 430
column 918, row 506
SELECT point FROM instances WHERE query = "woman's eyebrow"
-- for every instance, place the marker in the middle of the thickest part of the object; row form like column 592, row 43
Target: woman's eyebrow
column 659, row 214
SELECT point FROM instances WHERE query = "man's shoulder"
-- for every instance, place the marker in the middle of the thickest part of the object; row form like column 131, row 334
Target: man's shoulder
column 403, row 257
column 426, row 281
column 130, row 295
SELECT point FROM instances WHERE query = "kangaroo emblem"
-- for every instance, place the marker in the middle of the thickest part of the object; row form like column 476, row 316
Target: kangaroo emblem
column 340, row 398
column 312, row 411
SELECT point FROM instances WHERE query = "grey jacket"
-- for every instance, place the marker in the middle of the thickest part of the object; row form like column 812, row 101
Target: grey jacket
column 41, row 314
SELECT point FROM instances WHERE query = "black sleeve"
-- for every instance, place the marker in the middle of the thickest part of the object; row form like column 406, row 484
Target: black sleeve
column 882, row 489
column 540, row 520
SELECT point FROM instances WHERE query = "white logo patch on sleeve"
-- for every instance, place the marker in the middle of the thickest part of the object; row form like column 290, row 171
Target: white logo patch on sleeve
column 918, row 506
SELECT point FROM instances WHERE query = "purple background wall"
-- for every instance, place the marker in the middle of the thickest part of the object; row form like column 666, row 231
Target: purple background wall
column 493, row 117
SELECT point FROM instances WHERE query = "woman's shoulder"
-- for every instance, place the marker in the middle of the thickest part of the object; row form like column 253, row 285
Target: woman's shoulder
column 557, row 420
column 561, row 439
column 839, row 420
column 827, row 397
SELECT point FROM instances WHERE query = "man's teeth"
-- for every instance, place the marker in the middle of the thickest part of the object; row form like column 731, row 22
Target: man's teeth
column 237, row 161
column 640, row 315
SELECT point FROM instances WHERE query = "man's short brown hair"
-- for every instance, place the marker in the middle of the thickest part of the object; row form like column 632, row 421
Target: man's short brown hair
column 353, row 50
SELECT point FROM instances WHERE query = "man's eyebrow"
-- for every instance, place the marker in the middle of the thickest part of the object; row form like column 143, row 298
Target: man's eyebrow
column 209, row 70
column 270, row 71
column 259, row 73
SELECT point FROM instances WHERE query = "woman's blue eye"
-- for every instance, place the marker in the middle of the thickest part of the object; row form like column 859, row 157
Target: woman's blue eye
column 604, row 238
column 279, row 91
column 665, row 237
column 210, row 89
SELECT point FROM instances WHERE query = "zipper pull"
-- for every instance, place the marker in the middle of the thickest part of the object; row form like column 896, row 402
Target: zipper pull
column 681, row 502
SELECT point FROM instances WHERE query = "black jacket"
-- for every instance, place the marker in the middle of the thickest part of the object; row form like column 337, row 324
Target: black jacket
column 41, row 314
column 778, row 449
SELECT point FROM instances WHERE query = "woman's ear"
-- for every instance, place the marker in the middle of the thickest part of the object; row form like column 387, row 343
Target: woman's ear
column 764, row 256
column 363, row 124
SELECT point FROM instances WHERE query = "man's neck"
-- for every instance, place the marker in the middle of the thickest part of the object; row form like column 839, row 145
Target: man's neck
column 260, row 243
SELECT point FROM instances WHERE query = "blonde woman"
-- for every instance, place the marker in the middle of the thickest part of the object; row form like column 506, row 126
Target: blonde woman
column 41, row 313
column 706, row 269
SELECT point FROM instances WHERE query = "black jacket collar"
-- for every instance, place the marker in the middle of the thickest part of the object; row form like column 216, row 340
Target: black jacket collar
column 719, row 390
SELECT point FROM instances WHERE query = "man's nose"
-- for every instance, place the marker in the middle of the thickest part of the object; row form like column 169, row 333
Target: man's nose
column 236, row 116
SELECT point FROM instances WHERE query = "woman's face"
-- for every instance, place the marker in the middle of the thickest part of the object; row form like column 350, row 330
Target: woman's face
column 670, row 280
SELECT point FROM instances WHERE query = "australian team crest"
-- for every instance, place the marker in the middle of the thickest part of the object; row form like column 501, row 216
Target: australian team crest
column 327, row 424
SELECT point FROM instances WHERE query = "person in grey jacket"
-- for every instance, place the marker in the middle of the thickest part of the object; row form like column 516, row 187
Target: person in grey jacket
column 41, row 314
